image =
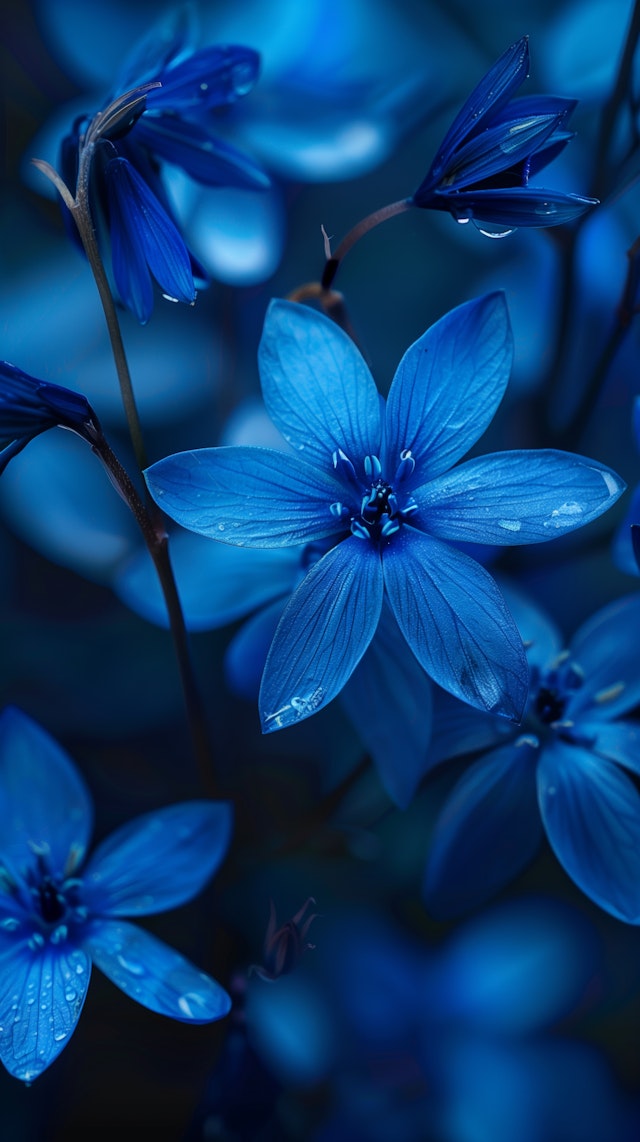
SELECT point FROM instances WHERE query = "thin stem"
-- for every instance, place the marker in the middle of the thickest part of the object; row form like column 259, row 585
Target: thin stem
column 82, row 216
column 612, row 106
column 157, row 544
column 355, row 234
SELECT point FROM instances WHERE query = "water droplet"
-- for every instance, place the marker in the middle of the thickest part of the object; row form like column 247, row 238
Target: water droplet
column 59, row 934
column 134, row 967
column 242, row 78
column 70, row 995
column 192, row 1004
column 493, row 230
column 60, row 1035
column 220, row 527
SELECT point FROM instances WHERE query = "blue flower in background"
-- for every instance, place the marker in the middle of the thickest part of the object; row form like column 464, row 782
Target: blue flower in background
column 495, row 145
column 626, row 541
column 29, row 406
column 56, row 917
column 143, row 127
column 374, row 481
column 565, row 771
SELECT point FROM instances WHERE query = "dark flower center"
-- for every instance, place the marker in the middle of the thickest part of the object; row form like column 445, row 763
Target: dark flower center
column 376, row 508
column 51, row 901
column 551, row 691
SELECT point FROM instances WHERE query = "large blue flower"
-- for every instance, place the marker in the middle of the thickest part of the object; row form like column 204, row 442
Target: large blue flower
column 56, row 917
column 375, row 482
column 144, row 126
column 495, row 145
column 562, row 771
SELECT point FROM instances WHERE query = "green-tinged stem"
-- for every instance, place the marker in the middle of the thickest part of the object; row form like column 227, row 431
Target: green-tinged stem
column 157, row 544
column 363, row 227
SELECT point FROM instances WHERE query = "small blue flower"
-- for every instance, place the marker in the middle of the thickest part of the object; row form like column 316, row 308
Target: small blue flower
column 495, row 145
column 564, row 771
column 29, row 406
column 162, row 111
column 56, row 917
column 374, row 481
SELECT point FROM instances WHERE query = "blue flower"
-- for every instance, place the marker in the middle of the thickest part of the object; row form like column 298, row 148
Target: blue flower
column 374, row 481
column 565, row 771
column 626, row 541
column 495, row 145
column 56, row 917
column 29, row 406
column 162, row 111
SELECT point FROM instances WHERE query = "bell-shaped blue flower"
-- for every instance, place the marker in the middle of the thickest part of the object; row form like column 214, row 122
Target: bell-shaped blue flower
column 29, row 406
column 58, row 914
column 567, row 771
column 161, row 111
column 494, row 146
column 374, row 481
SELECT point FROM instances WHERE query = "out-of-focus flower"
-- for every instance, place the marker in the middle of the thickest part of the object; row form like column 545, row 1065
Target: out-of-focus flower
column 375, row 483
column 57, row 917
column 494, row 146
column 564, row 771
column 29, row 406
column 284, row 945
column 626, row 542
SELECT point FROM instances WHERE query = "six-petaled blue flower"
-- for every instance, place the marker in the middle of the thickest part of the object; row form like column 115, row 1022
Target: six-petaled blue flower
column 57, row 916
column 374, row 481
column 566, row 769
column 495, row 145
column 162, row 111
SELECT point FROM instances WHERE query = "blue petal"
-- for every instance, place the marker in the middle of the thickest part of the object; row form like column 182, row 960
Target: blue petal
column 42, row 991
column 591, row 811
column 45, row 806
column 492, row 93
column 489, row 830
column 29, row 405
column 247, row 652
column 616, row 741
column 539, row 633
column 316, row 385
column 215, row 76
column 252, row 497
column 448, row 386
column 168, row 38
column 326, row 628
column 514, row 206
column 606, row 648
column 158, row 860
column 144, row 240
column 498, row 149
column 622, row 548
column 517, row 497
column 388, row 699
column 456, row 622
column 154, row 974
column 204, row 158
column 217, row 583
column 459, row 729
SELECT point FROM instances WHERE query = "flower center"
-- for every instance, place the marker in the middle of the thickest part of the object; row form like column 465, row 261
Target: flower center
column 551, row 690
column 377, row 508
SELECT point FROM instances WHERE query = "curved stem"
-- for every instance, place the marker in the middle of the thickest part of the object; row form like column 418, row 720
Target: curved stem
column 612, row 106
column 356, row 233
column 157, row 544
column 83, row 221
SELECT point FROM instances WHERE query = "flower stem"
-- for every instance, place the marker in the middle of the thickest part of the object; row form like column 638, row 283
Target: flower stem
column 82, row 217
column 602, row 174
column 156, row 540
column 363, row 227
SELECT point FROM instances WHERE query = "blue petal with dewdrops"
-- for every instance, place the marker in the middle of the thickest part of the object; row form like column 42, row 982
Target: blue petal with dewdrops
column 494, row 146
column 361, row 479
column 572, row 754
column 56, row 916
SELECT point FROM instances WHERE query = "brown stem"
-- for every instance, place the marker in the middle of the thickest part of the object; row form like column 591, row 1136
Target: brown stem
column 355, row 234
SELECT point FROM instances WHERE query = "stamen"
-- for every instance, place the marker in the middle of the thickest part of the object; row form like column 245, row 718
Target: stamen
column 406, row 467
column 372, row 467
column 608, row 694
column 342, row 463
column 359, row 530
